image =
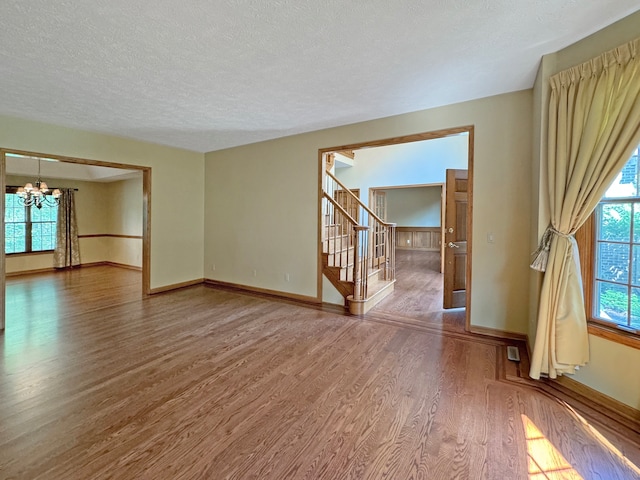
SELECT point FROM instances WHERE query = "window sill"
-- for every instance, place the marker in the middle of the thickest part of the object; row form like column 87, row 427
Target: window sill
column 613, row 334
column 28, row 254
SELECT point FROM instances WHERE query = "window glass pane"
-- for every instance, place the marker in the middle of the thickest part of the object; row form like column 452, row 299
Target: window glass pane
column 626, row 183
column 612, row 262
column 635, row 265
column 15, row 237
column 43, row 236
column 635, row 308
column 36, row 238
column 614, row 222
column 611, row 302
column 14, row 212
column 636, row 222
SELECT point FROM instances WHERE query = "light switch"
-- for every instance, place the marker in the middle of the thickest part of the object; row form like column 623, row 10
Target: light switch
column 490, row 237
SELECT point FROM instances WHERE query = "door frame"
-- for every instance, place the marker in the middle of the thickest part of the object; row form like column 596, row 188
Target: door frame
column 418, row 137
column 441, row 186
column 146, row 213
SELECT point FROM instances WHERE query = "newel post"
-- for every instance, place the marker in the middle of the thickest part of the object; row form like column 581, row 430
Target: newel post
column 360, row 283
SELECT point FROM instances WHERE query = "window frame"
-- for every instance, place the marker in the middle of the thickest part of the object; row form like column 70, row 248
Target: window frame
column 28, row 232
column 587, row 244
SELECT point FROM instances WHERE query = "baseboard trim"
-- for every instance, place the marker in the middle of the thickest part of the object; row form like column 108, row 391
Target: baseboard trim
column 176, row 286
column 82, row 265
column 111, row 264
column 264, row 291
column 493, row 332
column 612, row 408
column 30, row 272
column 124, row 265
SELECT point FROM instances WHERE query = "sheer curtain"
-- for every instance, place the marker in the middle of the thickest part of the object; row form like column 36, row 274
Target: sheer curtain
column 594, row 125
column 67, row 251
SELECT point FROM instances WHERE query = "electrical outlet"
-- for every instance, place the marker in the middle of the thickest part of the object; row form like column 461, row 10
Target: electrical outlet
column 255, row 273
column 287, row 277
column 213, row 267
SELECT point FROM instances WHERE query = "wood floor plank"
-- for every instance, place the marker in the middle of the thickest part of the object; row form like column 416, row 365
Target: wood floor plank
column 206, row 383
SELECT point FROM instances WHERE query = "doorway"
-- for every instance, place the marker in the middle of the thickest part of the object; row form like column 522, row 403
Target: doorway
column 466, row 138
column 79, row 163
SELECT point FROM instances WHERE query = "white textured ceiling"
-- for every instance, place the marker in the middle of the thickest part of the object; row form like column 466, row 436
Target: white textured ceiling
column 210, row 74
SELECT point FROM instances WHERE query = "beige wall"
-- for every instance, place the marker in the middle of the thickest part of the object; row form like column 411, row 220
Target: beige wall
column 606, row 371
column 176, row 219
column 262, row 199
column 125, row 218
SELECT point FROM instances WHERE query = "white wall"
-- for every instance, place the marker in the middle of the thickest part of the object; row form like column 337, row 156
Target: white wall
column 414, row 207
column 405, row 164
column 261, row 204
column 177, row 220
column 612, row 367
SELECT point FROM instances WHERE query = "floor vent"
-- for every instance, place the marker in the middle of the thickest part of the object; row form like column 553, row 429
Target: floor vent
column 513, row 354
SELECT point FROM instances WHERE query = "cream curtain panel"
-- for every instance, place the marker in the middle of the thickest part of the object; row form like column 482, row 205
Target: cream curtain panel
column 594, row 125
column 67, row 251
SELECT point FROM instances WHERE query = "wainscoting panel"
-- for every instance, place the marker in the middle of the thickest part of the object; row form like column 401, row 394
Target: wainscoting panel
column 419, row 238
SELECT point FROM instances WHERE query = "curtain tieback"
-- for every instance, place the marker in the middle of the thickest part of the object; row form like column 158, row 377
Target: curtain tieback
column 541, row 255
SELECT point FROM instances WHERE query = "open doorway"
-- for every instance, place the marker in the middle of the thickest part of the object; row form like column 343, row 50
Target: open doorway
column 421, row 172
column 113, row 212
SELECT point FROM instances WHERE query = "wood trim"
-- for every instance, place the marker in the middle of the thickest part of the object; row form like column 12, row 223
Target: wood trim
column 414, row 185
column 614, row 335
column 176, row 286
column 146, row 231
column 445, row 132
column 2, row 255
column 347, row 153
column 146, row 207
column 30, row 272
column 124, row 265
column 29, row 254
column 595, row 400
column 418, row 229
column 496, row 333
column 82, row 161
column 112, row 235
column 470, row 153
column 82, row 265
column 263, row 291
column 319, row 226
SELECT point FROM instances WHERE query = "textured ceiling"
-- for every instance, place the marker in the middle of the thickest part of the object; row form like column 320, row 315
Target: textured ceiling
column 206, row 75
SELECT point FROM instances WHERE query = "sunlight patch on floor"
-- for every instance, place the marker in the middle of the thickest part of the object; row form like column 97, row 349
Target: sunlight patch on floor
column 545, row 461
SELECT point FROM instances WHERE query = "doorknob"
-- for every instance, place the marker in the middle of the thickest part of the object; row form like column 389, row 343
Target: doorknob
column 453, row 245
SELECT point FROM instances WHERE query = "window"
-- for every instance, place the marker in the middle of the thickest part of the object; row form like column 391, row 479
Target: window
column 28, row 229
column 610, row 251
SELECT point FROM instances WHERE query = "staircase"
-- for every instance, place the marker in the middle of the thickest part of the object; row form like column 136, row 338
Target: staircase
column 358, row 248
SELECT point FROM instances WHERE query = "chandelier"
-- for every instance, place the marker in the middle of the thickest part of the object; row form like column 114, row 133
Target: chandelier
column 38, row 195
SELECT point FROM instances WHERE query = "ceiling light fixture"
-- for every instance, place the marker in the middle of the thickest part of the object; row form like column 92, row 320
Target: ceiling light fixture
column 38, row 195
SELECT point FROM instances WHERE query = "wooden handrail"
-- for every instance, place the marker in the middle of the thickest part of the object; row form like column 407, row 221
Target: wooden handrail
column 375, row 217
column 340, row 208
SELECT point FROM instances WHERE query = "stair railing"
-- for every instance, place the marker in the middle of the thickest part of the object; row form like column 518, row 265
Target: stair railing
column 341, row 233
column 377, row 242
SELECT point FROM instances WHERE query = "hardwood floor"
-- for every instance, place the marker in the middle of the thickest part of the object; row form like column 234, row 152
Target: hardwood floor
column 99, row 383
column 417, row 298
